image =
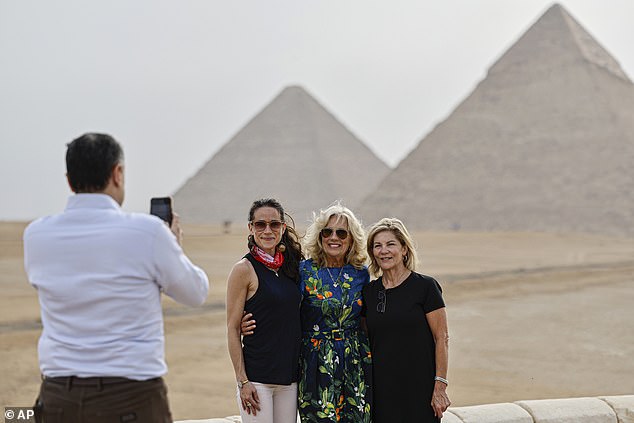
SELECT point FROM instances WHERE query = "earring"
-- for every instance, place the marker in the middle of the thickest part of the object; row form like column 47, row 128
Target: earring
column 405, row 258
column 281, row 247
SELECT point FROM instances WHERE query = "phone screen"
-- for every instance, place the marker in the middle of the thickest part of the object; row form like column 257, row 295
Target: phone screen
column 162, row 207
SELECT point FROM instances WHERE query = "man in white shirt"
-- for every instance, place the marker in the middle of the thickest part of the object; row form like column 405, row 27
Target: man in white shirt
column 99, row 273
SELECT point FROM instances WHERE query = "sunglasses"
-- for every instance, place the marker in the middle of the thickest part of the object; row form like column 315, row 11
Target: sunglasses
column 261, row 225
column 327, row 233
column 380, row 306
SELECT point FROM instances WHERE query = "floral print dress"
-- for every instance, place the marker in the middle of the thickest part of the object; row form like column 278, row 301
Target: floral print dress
column 335, row 361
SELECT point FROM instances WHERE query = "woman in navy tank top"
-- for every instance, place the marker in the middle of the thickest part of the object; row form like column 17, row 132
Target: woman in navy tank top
column 265, row 282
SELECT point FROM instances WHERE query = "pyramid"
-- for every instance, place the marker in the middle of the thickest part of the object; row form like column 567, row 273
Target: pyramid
column 293, row 150
column 544, row 143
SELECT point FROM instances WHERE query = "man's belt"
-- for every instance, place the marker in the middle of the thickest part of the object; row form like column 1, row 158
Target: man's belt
column 86, row 381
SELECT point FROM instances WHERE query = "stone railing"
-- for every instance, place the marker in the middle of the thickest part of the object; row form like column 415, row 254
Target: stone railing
column 612, row 409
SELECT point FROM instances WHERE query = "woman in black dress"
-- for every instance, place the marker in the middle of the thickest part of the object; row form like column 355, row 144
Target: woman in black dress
column 407, row 327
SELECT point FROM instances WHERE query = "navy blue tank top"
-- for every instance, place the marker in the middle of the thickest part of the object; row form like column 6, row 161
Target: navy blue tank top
column 271, row 354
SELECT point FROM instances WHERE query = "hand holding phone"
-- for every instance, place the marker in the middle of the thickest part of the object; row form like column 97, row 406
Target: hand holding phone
column 162, row 207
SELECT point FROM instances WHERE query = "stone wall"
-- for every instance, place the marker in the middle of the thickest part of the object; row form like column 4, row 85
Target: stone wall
column 612, row 409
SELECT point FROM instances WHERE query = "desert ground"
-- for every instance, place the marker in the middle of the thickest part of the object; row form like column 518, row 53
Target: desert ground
column 531, row 316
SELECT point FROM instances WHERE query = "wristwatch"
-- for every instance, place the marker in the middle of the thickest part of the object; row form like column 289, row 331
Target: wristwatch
column 242, row 383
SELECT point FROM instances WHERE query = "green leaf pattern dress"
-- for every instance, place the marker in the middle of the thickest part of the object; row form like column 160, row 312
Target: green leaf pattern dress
column 335, row 360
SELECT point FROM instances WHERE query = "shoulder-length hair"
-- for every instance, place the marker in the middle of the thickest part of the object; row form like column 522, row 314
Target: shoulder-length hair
column 356, row 255
column 399, row 230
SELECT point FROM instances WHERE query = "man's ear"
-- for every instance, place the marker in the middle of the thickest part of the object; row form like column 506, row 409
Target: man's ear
column 117, row 175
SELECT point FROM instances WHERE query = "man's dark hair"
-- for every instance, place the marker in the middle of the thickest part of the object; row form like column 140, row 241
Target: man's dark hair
column 90, row 160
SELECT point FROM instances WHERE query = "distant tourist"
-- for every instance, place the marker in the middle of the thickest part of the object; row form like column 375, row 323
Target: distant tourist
column 265, row 283
column 99, row 273
column 407, row 326
column 334, row 383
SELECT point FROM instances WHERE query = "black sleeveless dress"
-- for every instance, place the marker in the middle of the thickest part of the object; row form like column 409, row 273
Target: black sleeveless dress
column 271, row 354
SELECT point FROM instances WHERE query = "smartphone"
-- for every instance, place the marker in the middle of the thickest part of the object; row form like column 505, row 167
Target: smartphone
column 162, row 207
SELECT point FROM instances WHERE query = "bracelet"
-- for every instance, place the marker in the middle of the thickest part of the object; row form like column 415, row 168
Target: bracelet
column 442, row 379
column 242, row 383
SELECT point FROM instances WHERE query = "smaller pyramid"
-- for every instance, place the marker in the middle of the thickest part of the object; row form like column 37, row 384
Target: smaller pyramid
column 293, row 150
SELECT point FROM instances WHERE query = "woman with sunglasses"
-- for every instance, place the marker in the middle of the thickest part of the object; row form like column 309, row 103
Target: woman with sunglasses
column 335, row 355
column 407, row 327
column 335, row 362
column 265, row 283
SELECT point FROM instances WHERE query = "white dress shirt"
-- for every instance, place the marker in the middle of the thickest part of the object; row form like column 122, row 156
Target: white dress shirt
column 99, row 273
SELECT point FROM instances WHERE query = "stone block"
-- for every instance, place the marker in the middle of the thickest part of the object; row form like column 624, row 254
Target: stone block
column 569, row 410
column 623, row 406
column 493, row 413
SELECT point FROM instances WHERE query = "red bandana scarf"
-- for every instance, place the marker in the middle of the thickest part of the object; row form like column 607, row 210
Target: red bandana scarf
column 263, row 257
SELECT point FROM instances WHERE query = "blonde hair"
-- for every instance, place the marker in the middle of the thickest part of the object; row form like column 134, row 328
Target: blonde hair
column 356, row 255
column 399, row 230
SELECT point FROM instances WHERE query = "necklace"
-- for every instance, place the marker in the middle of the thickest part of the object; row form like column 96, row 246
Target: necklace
column 334, row 281
column 343, row 292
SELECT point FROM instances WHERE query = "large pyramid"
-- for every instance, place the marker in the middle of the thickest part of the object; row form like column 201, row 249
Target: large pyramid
column 293, row 150
column 544, row 143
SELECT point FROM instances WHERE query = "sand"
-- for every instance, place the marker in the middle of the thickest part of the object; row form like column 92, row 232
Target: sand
column 531, row 316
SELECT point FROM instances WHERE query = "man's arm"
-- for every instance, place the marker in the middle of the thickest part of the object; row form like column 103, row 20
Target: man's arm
column 179, row 278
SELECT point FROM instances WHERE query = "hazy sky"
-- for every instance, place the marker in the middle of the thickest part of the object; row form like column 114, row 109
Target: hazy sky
column 174, row 80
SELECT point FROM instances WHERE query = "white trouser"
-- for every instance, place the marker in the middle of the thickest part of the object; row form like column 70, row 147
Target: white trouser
column 278, row 404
